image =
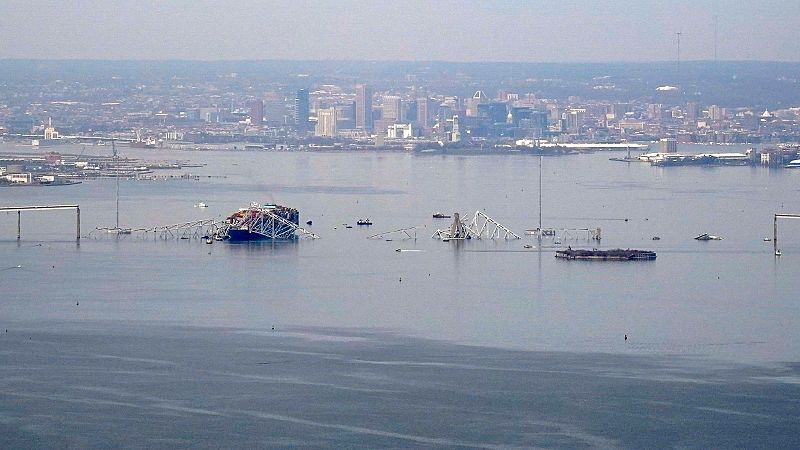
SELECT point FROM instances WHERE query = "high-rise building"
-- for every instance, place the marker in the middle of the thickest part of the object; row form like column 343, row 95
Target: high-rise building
column 301, row 109
column 472, row 103
column 575, row 118
column 424, row 109
column 392, row 108
column 364, row 107
column 692, row 111
column 715, row 113
column 326, row 123
column 257, row 112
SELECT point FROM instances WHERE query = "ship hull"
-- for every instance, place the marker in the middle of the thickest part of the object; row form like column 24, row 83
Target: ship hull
column 246, row 236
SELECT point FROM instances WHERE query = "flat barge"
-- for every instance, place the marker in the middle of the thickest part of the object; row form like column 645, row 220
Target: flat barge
column 617, row 254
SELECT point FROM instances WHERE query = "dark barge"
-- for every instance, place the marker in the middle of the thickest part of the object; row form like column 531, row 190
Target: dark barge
column 617, row 254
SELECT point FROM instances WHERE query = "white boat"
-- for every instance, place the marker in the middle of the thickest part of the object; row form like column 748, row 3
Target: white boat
column 793, row 164
column 708, row 237
column 200, row 205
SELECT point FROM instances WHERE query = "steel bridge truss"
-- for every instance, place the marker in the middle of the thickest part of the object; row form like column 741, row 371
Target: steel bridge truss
column 480, row 227
column 400, row 235
column 566, row 233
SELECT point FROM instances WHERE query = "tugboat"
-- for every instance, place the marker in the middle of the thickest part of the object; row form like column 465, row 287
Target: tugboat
column 440, row 215
column 364, row 222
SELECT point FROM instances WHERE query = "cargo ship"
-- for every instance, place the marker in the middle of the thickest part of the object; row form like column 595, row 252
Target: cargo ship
column 617, row 254
column 260, row 222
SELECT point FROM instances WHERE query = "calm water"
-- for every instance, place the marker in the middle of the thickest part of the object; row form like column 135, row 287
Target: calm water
column 698, row 304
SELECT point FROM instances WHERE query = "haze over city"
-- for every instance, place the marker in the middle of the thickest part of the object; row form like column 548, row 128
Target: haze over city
column 507, row 30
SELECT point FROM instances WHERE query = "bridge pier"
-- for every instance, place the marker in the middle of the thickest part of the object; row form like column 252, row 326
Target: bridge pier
column 19, row 210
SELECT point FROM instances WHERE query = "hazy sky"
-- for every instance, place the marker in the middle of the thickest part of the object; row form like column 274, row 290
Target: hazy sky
column 510, row 30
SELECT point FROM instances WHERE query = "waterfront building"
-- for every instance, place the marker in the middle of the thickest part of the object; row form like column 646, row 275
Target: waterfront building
column 668, row 145
column 364, row 107
column 400, row 131
column 326, row 123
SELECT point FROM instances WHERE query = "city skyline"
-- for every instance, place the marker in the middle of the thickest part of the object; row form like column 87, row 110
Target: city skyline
column 549, row 31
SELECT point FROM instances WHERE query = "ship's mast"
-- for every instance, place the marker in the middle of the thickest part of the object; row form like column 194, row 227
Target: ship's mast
column 114, row 152
column 540, row 195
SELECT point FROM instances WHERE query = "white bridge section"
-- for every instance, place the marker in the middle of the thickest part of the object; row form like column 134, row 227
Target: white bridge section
column 480, row 227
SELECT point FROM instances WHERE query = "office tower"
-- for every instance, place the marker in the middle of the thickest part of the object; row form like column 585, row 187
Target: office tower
column 301, row 109
column 715, row 113
column 575, row 118
column 257, row 112
column 392, row 108
column 478, row 98
column 326, row 123
column 363, row 107
column 423, row 112
column 692, row 111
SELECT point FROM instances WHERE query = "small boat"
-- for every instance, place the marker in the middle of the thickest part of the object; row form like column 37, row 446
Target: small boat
column 527, row 246
column 398, row 249
column 778, row 253
column 766, row 239
column 200, row 205
column 707, row 237
column 364, row 222
column 308, row 222
column 349, row 226
column 209, row 241
column 656, row 238
column 557, row 242
column 439, row 215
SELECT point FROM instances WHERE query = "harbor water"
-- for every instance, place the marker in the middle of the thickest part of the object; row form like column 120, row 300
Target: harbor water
column 701, row 344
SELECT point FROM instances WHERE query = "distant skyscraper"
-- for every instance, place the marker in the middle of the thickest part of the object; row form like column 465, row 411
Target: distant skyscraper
column 692, row 111
column 363, row 107
column 301, row 109
column 472, row 103
column 326, row 123
column 392, row 108
column 575, row 118
column 424, row 112
column 257, row 112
